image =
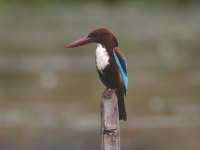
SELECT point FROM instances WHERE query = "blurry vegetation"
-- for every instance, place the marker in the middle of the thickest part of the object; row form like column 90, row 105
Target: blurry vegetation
column 145, row 2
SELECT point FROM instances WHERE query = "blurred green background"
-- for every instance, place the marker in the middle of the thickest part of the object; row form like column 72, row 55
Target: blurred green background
column 50, row 96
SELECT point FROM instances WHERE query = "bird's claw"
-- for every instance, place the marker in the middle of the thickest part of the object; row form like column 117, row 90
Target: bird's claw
column 108, row 93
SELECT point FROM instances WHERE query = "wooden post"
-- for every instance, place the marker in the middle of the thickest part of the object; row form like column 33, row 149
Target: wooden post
column 110, row 131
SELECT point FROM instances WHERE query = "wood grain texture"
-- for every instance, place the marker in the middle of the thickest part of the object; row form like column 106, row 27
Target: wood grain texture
column 110, row 131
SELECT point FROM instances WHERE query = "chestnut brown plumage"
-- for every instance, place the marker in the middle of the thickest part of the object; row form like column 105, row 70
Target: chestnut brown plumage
column 110, row 62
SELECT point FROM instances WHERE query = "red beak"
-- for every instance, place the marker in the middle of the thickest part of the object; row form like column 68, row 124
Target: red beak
column 80, row 42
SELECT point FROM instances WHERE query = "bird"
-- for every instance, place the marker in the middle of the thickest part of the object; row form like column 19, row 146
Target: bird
column 111, row 64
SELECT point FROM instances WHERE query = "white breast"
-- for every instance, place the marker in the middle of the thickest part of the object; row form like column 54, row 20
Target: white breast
column 102, row 58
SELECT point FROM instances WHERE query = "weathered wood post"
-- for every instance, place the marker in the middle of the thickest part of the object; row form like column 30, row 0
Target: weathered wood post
column 110, row 131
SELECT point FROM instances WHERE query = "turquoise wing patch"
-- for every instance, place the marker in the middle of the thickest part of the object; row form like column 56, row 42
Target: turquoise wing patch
column 122, row 71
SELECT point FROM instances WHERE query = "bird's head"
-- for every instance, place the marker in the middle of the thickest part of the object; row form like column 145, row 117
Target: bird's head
column 102, row 36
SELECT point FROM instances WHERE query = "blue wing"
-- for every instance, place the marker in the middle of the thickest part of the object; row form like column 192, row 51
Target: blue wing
column 122, row 65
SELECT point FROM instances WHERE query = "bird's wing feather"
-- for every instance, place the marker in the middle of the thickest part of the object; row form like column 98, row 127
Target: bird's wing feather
column 122, row 65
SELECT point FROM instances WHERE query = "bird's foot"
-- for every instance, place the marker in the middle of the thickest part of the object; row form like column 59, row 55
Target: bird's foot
column 108, row 93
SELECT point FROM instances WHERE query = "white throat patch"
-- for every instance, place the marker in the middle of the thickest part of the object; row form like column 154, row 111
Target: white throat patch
column 102, row 58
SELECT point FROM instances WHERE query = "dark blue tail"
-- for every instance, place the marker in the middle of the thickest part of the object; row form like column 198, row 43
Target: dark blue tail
column 121, row 105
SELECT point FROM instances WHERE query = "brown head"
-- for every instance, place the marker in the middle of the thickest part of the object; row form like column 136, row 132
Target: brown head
column 101, row 35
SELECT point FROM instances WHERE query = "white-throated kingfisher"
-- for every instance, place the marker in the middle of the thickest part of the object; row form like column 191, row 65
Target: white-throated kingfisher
column 110, row 63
